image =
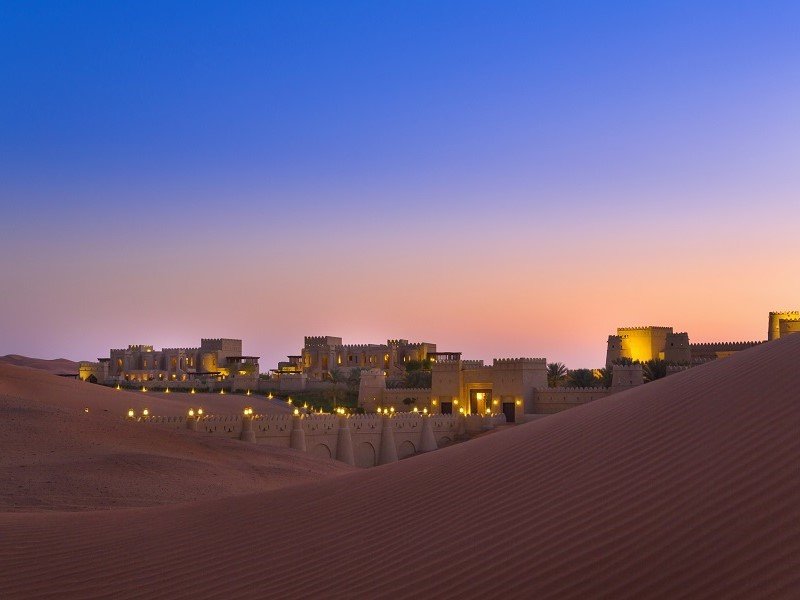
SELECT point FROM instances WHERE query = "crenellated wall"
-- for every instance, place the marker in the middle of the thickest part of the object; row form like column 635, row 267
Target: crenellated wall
column 549, row 400
column 325, row 435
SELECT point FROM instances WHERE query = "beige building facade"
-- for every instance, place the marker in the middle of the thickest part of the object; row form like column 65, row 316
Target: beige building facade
column 321, row 355
column 215, row 360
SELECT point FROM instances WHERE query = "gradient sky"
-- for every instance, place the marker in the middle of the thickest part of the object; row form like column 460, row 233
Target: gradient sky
column 501, row 178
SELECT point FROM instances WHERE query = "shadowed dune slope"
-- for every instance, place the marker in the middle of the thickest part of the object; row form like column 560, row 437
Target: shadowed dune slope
column 55, row 456
column 687, row 487
column 55, row 365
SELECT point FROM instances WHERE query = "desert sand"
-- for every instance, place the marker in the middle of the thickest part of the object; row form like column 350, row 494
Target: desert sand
column 57, row 456
column 687, row 487
column 54, row 365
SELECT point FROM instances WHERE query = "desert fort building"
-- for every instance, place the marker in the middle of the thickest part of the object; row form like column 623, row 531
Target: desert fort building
column 215, row 360
column 323, row 354
column 662, row 343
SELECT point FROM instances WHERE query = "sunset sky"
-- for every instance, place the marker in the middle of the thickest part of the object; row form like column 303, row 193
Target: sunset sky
column 500, row 178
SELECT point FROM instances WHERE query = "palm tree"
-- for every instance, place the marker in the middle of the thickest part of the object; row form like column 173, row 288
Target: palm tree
column 354, row 378
column 654, row 369
column 581, row 378
column 417, row 379
column 604, row 376
column 556, row 374
column 336, row 378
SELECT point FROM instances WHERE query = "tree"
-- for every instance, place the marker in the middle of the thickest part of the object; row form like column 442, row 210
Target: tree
column 556, row 374
column 337, row 378
column 624, row 360
column 654, row 369
column 417, row 379
column 581, row 378
column 354, row 379
column 604, row 376
column 417, row 365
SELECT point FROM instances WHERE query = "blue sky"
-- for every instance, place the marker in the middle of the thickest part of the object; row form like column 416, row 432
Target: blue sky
column 289, row 140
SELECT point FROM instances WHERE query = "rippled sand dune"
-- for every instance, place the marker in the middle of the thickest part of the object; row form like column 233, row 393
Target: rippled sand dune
column 687, row 487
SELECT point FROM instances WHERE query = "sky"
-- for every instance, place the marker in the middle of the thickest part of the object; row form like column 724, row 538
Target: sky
column 503, row 179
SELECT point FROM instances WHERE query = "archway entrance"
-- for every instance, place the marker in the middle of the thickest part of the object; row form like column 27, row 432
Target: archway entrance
column 509, row 411
column 479, row 401
column 447, row 408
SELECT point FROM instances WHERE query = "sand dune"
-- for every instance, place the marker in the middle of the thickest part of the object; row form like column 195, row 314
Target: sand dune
column 55, row 365
column 684, row 488
column 57, row 456
column 65, row 392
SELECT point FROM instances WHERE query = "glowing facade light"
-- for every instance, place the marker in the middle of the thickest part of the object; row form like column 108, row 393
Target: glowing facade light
column 519, row 403
column 131, row 413
column 192, row 392
column 425, row 411
column 191, row 412
column 145, row 412
column 296, row 412
column 269, row 396
column 199, row 411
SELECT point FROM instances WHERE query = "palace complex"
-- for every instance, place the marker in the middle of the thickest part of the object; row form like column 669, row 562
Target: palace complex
column 510, row 387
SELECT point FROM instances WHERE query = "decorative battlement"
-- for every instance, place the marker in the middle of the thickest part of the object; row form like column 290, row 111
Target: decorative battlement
column 510, row 362
column 725, row 345
column 785, row 313
column 361, row 346
column 472, row 364
column 397, row 342
column 180, row 350
column 139, row 348
column 321, row 341
column 645, row 328
column 571, row 390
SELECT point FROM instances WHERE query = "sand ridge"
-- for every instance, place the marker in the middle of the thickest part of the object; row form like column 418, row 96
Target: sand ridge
column 684, row 488
column 54, row 365
column 57, row 456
